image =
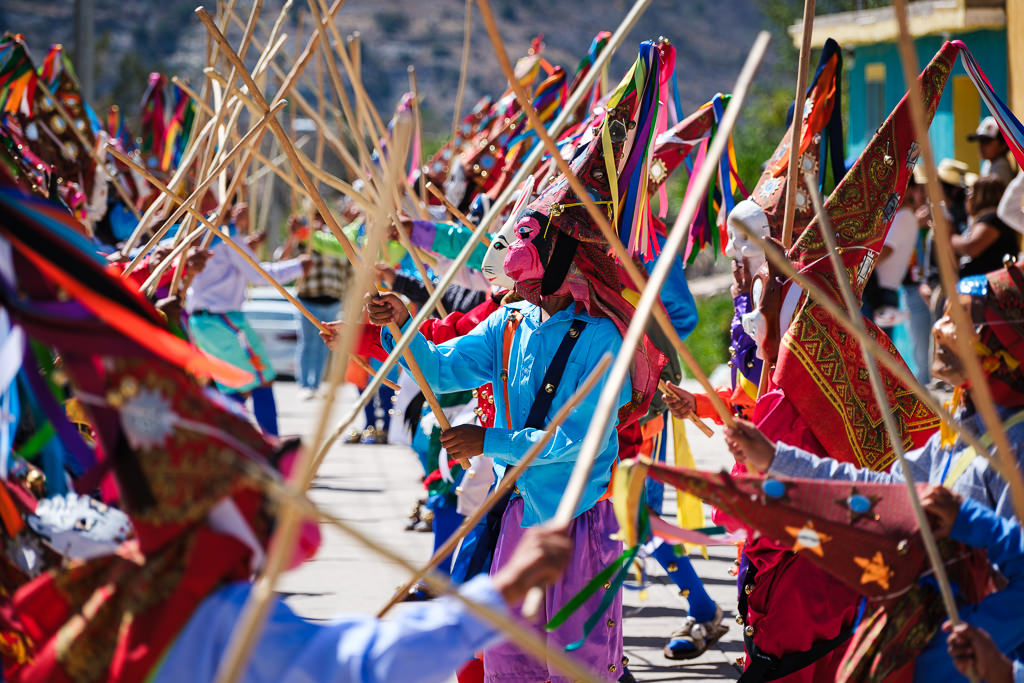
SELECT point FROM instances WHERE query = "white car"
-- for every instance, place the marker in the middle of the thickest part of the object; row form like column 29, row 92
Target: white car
column 273, row 319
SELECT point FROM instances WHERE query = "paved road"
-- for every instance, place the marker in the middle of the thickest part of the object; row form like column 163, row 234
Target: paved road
column 374, row 488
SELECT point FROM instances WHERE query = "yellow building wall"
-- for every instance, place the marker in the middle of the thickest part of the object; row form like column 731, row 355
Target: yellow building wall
column 966, row 114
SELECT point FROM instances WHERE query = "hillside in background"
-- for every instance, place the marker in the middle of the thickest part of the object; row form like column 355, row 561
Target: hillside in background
column 136, row 37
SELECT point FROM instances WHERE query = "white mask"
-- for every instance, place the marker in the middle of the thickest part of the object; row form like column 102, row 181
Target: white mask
column 752, row 216
column 493, row 266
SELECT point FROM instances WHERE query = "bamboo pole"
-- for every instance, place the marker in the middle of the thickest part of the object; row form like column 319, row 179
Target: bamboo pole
column 625, row 259
column 227, row 239
column 878, row 389
column 272, row 165
column 318, row 200
column 282, row 136
column 664, row 388
column 980, row 392
column 397, row 152
column 792, row 173
column 318, row 154
column 364, row 165
column 201, row 187
column 467, row 30
column 504, row 486
column 649, row 301
column 414, row 89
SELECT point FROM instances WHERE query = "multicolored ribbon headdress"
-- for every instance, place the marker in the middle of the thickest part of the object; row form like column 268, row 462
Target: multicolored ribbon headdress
column 560, row 251
column 821, row 138
column 821, row 369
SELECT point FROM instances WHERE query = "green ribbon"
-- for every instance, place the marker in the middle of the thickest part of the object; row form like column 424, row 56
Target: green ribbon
column 36, row 442
column 614, row 575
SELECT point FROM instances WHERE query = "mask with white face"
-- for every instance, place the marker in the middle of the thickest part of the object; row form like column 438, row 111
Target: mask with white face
column 752, row 216
column 493, row 266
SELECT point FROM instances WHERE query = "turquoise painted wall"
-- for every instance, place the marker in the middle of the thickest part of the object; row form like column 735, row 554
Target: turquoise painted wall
column 988, row 47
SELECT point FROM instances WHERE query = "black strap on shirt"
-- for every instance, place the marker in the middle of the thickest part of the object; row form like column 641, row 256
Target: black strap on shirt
column 538, row 417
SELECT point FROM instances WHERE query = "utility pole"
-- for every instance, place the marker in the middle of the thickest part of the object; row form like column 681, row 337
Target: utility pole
column 85, row 46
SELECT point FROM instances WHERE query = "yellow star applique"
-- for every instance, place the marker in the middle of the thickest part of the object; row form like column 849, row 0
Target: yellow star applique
column 875, row 570
column 807, row 538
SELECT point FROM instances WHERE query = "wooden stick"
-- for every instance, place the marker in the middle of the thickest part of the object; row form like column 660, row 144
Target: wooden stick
column 355, row 50
column 186, row 162
column 458, row 215
column 506, row 483
column 364, row 165
column 981, row 393
column 878, row 389
column 218, row 141
column 304, row 178
column 302, row 309
column 496, row 209
column 414, row 88
column 467, row 31
column 224, row 236
column 222, row 133
column 358, row 360
column 664, row 388
column 598, row 216
column 792, row 173
column 318, row 154
column 179, row 175
column 271, row 165
column 246, row 140
column 282, row 136
column 649, row 300
column 375, row 126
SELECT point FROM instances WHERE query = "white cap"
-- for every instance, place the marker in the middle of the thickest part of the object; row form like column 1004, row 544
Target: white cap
column 988, row 129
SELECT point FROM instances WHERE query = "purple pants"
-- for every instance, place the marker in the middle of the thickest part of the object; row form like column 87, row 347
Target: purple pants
column 593, row 550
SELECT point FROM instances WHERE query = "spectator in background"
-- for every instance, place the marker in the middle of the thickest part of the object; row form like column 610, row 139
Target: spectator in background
column 893, row 263
column 217, row 324
column 320, row 290
column 919, row 269
column 994, row 152
column 989, row 238
column 1011, row 206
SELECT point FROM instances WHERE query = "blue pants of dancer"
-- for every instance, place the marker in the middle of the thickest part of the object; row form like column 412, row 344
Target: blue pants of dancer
column 919, row 328
column 380, row 405
column 680, row 570
column 311, row 353
column 264, row 407
column 446, row 520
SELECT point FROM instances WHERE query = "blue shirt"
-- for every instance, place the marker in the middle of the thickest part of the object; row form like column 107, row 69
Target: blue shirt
column 424, row 642
column 999, row 613
column 476, row 358
column 930, row 463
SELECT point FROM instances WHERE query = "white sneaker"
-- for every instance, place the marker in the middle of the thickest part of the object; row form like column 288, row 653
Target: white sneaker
column 307, row 394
